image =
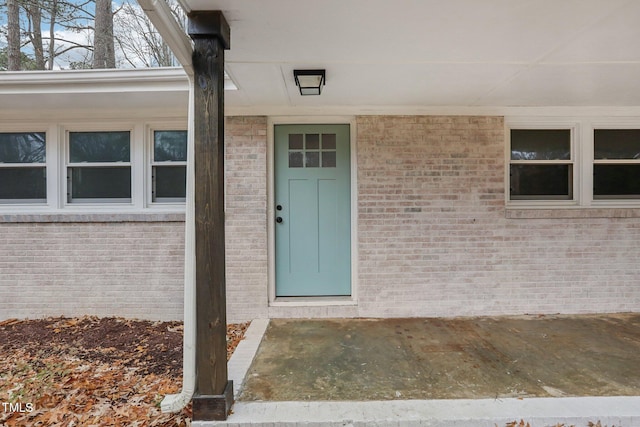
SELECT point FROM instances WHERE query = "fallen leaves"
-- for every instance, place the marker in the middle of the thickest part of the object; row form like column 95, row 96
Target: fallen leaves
column 90, row 371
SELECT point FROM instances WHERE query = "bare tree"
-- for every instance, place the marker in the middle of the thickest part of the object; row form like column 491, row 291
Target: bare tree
column 34, row 31
column 13, row 35
column 103, row 46
column 139, row 42
column 42, row 32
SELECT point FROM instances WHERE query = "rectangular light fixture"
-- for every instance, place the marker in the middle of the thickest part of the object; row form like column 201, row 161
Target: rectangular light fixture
column 310, row 82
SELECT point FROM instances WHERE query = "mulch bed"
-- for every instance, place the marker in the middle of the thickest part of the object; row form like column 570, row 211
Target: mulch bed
column 92, row 371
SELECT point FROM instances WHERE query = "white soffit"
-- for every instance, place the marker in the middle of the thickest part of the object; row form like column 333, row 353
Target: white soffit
column 86, row 91
column 432, row 53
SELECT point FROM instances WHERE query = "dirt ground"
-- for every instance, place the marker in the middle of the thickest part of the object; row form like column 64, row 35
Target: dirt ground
column 92, row 371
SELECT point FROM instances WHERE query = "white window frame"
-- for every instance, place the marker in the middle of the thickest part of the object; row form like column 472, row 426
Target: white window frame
column 617, row 123
column 50, row 166
column 151, row 163
column 551, row 202
column 65, row 196
column 44, row 165
column 582, row 149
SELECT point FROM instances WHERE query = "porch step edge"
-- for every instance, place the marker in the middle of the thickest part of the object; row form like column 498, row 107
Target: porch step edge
column 623, row 411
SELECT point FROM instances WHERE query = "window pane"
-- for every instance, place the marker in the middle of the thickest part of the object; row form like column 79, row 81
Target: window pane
column 170, row 145
column 541, row 182
column 171, row 181
column 616, row 180
column 312, row 159
column 295, row 141
column 99, row 147
column 540, row 144
column 23, row 183
column 295, row 159
column 328, row 141
column 616, row 143
column 100, row 183
column 328, row 159
column 24, row 147
column 313, row 141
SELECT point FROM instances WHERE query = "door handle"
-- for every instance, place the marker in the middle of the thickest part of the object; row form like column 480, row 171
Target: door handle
column 279, row 220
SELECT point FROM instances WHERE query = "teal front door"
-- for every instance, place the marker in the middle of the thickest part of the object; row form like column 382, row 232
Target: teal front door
column 313, row 210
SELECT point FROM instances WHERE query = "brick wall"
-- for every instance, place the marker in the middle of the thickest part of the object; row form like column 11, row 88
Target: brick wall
column 434, row 239
column 246, row 217
column 112, row 268
column 135, row 268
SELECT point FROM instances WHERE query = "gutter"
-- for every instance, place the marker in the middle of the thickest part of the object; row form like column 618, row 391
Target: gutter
column 180, row 44
column 176, row 402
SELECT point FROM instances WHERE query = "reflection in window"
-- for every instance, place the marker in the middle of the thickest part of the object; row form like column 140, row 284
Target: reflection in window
column 541, row 164
column 616, row 164
column 169, row 166
column 99, row 167
column 98, row 147
column 23, row 172
column 312, row 150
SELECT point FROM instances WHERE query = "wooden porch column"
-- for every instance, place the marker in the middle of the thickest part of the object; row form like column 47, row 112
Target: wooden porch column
column 213, row 393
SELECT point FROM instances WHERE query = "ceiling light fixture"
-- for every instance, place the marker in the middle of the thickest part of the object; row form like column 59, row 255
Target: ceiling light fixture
column 310, row 82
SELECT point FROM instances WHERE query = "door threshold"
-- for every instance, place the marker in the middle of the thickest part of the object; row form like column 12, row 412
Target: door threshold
column 313, row 301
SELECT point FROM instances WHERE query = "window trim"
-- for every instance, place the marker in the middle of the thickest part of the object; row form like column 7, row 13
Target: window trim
column 617, row 201
column 27, row 128
column 544, row 201
column 150, row 163
column 68, row 201
column 582, row 140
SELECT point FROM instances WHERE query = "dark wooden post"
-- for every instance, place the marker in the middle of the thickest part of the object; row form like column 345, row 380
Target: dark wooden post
column 214, row 393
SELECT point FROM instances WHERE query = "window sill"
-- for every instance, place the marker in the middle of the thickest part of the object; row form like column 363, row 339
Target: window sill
column 575, row 212
column 92, row 217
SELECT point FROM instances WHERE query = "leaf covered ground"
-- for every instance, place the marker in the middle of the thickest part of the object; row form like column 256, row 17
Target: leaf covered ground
column 92, row 371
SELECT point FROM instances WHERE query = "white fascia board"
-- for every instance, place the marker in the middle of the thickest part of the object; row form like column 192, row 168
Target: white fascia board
column 91, row 81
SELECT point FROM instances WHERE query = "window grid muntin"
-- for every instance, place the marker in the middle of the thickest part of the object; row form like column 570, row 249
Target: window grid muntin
column 155, row 164
column 612, row 162
column 570, row 163
column 309, row 150
column 71, row 166
column 41, row 165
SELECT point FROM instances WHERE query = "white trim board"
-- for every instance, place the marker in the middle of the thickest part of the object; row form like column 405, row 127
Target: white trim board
column 298, row 302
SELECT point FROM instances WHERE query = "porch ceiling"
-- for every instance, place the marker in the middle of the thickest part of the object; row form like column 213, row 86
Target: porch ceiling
column 433, row 53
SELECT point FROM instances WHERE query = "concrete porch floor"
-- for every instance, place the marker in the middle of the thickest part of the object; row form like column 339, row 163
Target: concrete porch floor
column 482, row 371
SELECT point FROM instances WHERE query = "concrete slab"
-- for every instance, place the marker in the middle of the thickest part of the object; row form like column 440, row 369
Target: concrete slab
column 590, row 355
column 467, row 358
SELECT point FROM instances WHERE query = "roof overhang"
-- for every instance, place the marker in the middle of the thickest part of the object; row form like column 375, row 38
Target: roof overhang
column 406, row 55
column 163, row 91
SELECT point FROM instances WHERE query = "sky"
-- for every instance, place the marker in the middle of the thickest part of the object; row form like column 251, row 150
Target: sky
column 82, row 37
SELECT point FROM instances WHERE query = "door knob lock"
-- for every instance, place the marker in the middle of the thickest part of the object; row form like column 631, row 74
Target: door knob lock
column 279, row 220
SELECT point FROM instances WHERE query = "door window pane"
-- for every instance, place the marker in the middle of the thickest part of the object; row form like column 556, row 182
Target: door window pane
column 541, row 181
column 23, row 147
column 295, row 141
column 616, row 181
column 100, row 182
column 328, row 159
column 295, row 159
column 313, row 141
column 312, row 159
column 170, row 182
column 170, row 145
column 328, row 141
column 99, row 147
column 540, row 144
column 616, row 144
column 23, row 183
